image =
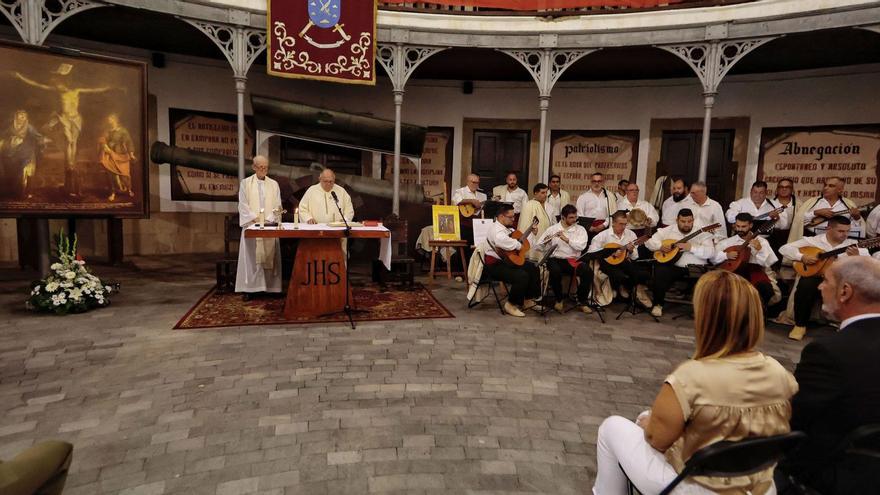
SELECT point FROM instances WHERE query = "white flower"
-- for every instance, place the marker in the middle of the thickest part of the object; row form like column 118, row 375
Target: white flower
column 108, row 288
column 51, row 286
column 70, row 275
column 58, row 299
column 66, row 284
column 35, row 291
column 55, row 266
column 75, row 294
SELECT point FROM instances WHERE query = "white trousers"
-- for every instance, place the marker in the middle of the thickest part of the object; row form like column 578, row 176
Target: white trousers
column 622, row 443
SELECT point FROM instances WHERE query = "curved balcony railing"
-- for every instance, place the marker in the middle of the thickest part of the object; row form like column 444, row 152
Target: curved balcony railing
column 530, row 7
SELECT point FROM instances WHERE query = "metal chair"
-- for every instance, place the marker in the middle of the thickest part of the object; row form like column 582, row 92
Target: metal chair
column 740, row 458
column 485, row 279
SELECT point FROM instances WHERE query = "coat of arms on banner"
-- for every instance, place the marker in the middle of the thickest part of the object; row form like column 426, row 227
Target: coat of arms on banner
column 318, row 39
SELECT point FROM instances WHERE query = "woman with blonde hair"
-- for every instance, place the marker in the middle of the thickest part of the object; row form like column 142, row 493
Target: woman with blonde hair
column 727, row 391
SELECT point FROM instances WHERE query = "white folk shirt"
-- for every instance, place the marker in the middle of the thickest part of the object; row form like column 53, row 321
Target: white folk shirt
column 746, row 205
column 463, row 193
column 874, row 222
column 518, row 197
column 577, row 241
column 708, row 213
column 608, row 236
column 670, row 208
column 554, row 204
column 701, row 245
column 765, row 257
column 318, row 205
column 643, row 205
column 791, row 250
column 499, row 236
column 594, row 206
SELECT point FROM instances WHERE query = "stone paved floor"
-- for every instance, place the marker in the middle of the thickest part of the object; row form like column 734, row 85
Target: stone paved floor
column 476, row 404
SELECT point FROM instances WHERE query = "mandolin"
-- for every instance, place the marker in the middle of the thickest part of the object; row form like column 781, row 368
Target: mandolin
column 826, row 257
column 620, row 254
column 744, row 250
column 675, row 253
column 816, row 221
column 467, row 210
column 518, row 257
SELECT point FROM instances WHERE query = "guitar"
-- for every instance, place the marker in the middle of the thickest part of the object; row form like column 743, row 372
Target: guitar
column 467, row 210
column 826, row 257
column 816, row 221
column 620, row 254
column 744, row 250
column 517, row 257
column 675, row 253
column 765, row 216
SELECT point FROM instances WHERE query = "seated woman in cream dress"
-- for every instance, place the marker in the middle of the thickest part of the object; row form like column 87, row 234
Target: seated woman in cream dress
column 727, row 391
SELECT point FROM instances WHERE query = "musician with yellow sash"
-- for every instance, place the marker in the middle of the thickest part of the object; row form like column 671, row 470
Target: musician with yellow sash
column 806, row 292
column 522, row 281
column 568, row 239
column 761, row 256
column 624, row 276
column 695, row 252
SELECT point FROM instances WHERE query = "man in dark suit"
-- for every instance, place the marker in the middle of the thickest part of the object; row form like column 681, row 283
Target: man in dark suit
column 839, row 380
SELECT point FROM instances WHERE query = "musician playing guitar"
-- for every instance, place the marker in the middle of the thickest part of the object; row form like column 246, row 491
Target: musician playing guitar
column 570, row 239
column 469, row 200
column 695, row 252
column 624, row 276
column 806, row 292
column 761, row 256
column 760, row 207
column 830, row 204
column 522, row 281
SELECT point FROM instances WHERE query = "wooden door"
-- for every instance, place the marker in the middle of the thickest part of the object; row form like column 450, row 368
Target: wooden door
column 680, row 155
column 496, row 152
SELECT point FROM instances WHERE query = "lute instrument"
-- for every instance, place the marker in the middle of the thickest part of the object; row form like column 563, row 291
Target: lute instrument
column 675, row 253
column 518, row 257
column 825, row 258
column 467, row 210
column 816, row 221
column 621, row 252
column 744, row 250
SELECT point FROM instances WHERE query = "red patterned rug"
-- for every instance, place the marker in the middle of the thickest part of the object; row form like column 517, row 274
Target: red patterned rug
column 229, row 310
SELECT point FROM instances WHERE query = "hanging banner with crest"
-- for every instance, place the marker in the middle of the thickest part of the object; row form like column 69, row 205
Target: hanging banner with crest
column 330, row 40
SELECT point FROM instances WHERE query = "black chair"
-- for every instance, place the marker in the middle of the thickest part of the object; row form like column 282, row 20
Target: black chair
column 740, row 458
column 486, row 279
column 863, row 442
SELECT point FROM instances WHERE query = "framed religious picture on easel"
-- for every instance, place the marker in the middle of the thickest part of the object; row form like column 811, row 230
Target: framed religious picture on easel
column 72, row 134
column 446, row 223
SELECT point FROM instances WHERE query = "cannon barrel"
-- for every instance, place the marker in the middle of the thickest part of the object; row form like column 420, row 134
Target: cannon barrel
column 211, row 162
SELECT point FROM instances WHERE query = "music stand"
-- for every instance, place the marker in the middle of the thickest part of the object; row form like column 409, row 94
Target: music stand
column 543, row 262
column 586, row 222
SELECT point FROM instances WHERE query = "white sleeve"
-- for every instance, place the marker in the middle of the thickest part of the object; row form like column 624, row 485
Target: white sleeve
column 652, row 214
column 733, row 211
column 718, row 217
column 790, row 250
column 703, row 249
column 655, row 241
column 873, row 222
column 502, row 240
column 784, row 222
column 245, row 216
column 766, row 256
column 596, row 244
column 456, row 197
column 581, row 205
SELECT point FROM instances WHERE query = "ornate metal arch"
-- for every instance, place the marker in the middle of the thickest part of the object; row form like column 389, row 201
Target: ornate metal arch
column 34, row 19
column 241, row 46
column 400, row 61
column 712, row 60
column 547, row 66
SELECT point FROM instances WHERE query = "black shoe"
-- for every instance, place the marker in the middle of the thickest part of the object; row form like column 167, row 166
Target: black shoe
column 247, row 296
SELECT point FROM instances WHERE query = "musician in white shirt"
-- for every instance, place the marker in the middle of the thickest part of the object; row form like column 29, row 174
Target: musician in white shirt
column 761, row 256
column 624, row 277
column 679, row 199
column 556, row 199
column 707, row 211
column 807, row 290
column 874, row 222
column 511, row 193
column 596, row 203
column 568, row 239
column 760, row 207
column 831, row 203
column 621, row 190
column 695, row 252
column 632, row 202
column 470, row 193
column 522, row 281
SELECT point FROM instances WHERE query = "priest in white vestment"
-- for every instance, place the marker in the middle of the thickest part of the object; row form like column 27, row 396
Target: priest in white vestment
column 259, row 260
column 317, row 204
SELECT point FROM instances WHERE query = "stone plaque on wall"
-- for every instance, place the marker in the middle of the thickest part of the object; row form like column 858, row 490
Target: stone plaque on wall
column 576, row 155
column 436, row 164
column 807, row 155
column 212, row 133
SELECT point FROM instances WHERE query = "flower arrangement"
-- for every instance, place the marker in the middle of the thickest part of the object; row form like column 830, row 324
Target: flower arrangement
column 69, row 288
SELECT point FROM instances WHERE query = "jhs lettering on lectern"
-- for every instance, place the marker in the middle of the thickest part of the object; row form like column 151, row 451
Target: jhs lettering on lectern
column 320, row 272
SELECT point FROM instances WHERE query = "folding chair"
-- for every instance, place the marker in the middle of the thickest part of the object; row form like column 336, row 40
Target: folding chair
column 485, row 280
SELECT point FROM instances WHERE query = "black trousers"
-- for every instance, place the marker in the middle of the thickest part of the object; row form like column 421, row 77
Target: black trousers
column 559, row 267
column 664, row 276
column 625, row 274
column 805, row 297
column 522, row 281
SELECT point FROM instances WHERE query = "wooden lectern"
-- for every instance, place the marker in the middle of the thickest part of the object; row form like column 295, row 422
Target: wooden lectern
column 317, row 283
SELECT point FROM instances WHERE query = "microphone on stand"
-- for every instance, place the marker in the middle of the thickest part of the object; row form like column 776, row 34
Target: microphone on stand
column 347, row 226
